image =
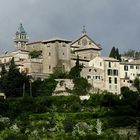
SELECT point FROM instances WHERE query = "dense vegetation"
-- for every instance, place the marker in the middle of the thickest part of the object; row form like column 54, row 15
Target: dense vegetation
column 104, row 116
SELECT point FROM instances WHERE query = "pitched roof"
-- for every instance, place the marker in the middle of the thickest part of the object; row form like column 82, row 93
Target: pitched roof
column 85, row 35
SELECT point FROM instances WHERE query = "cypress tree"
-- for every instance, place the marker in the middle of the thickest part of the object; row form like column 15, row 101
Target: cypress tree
column 118, row 56
column 113, row 52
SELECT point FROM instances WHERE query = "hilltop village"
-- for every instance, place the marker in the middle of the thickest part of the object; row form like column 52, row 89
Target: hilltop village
column 39, row 59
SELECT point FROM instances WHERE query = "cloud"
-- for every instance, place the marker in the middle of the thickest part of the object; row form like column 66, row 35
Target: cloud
column 108, row 22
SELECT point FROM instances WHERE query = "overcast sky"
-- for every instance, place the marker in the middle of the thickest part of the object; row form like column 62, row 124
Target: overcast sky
column 108, row 22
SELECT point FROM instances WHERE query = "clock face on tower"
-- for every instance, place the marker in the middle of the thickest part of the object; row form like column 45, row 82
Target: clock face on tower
column 84, row 42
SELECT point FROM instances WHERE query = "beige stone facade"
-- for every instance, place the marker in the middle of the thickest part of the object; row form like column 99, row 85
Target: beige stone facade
column 56, row 53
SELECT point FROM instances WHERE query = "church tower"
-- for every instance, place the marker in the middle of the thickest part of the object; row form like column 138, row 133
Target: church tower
column 21, row 38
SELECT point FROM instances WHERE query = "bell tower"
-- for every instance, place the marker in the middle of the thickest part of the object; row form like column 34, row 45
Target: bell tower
column 21, row 38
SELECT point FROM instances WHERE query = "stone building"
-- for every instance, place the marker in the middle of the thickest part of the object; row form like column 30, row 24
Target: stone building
column 56, row 53
column 103, row 73
column 85, row 48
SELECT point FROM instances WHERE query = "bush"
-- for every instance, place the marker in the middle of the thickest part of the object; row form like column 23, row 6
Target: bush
column 81, row 86
column 122, row 121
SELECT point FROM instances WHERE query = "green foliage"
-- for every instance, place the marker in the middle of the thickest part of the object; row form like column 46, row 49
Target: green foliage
column 121, row 121
column 8, row 134
column 12, row 82
column 75, row 71
column 4, row 107
column 110, row 100
column 137, row 83
column 68, row 125
column 81, row 86
column 59, row 73
column 115, row 53
column 35, row 54
column 94, row 100
column 44, row 88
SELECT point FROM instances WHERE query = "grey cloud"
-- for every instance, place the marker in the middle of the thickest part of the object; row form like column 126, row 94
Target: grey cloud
column 108, row 22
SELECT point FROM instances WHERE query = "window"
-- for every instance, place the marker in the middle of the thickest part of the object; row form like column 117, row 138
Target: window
column 126, row 75
column 63, row 53
column 89, row 70
column 115, row 87
column 110, row 80
column 109, row 71
column 95, row 70
column 49, row 67
column 97, row 77
column 131, row 67
column 110, row 87
column 115, row 72
column 136, row 67
column 126, row 68
column 115, row 80
column 49, row 54
column 88, row 77
column 109, row 64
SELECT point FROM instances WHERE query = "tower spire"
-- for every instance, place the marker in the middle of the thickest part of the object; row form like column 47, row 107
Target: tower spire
column 21, row 37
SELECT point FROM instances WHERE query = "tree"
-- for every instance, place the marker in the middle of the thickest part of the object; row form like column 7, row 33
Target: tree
column 44, row 88
column 59, row 73
column 118, row 56
column 81, row 86
column 137, row 83
column 75, row 71
column 12, row 82
column 115, row 53
column 112, row 53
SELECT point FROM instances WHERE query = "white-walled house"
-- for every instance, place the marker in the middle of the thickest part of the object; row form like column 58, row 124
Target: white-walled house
column 105, row 73
column 129, row 71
